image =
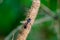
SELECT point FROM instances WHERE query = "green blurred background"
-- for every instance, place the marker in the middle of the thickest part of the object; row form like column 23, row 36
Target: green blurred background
column 14, row 11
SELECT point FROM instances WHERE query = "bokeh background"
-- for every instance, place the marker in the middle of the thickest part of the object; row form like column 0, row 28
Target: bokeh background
column 46, row 26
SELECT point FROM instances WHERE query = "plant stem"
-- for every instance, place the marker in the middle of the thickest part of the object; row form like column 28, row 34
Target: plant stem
column 32, row 15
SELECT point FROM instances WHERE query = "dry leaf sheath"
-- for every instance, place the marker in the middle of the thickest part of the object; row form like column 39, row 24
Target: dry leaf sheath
column 33, row 11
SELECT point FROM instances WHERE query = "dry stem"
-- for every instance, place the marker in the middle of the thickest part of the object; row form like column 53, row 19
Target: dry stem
column 32, row 15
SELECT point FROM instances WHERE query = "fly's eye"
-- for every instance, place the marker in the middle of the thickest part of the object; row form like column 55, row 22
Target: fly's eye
column 28, row 20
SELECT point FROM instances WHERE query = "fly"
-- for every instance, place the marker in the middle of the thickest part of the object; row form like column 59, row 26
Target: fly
column 28, row 21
